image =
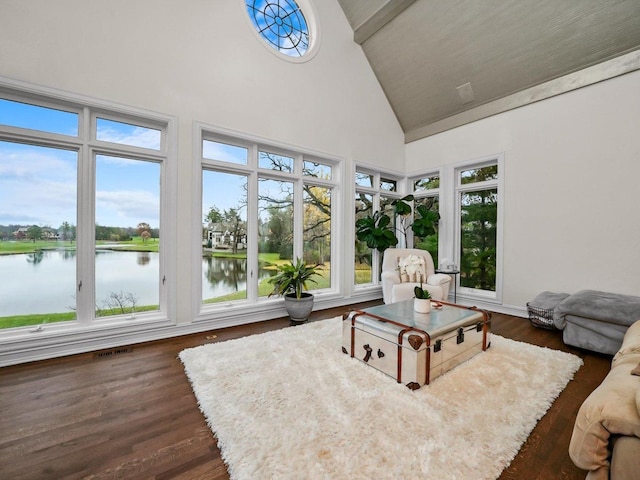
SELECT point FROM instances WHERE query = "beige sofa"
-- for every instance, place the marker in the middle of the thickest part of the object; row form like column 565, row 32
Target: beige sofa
column 606, row 434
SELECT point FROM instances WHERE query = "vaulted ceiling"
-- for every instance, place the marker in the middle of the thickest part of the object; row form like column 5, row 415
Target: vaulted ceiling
column 444, row 63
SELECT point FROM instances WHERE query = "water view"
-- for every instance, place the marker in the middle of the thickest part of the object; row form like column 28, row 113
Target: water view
column 50, row 276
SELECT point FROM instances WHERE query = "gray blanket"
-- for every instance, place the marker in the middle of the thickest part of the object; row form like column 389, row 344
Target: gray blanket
column 596, row 305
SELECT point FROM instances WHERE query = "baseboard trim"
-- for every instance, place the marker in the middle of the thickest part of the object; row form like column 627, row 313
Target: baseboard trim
column 90, row 340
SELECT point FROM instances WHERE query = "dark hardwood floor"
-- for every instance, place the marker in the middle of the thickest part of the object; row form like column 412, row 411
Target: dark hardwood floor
column 133, row 415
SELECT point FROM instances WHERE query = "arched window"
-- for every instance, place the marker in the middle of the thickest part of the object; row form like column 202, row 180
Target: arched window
column 281, row 24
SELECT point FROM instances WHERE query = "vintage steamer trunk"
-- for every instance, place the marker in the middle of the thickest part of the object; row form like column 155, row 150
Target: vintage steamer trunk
column 415, row 348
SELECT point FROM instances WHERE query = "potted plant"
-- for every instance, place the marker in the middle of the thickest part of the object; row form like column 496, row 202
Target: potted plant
column 290, row 281
column 422, row 300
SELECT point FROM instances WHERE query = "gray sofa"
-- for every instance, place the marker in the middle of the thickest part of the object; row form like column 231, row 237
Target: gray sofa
column 596, row 320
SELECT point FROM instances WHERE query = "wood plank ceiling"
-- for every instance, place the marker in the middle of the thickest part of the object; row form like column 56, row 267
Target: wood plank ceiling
column 444, row 63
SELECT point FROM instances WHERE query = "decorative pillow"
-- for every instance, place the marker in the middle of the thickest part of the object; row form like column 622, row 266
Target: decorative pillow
column 412, row 268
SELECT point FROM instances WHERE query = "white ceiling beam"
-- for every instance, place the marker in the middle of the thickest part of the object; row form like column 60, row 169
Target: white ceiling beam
column 379, row 19
column 627, row 63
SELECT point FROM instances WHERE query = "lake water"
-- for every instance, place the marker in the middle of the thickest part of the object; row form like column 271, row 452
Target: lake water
column 45, row 282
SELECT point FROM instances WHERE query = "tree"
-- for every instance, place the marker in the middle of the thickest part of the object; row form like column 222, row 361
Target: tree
column 34, row 232
column 144, row 230
column 280, row 233
column 234, row 224
column 214, row 216
column 317, row 224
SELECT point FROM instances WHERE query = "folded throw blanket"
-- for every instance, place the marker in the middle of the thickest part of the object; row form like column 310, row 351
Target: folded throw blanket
column 596, row 305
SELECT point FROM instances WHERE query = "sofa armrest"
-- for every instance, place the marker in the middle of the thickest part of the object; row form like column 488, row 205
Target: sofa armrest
column 609, row 410
column 438, row 279
column 388, row 279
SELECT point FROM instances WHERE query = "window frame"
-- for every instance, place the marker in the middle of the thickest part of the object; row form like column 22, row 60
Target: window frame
column 313, row 26
column 458, row 188
column 377, row 192
column 86, row 146
column 428, row 193
column 202, row 131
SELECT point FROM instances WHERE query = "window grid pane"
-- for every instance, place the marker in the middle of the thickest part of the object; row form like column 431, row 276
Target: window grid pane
column 317, row 233
column 272, row 161
column 224, row 152
column 127, row 233
column 275, row 225
column 482, row 174
column 478, row 231
column 34, row 117
column 364, row 180
column 318, row 170
column 224, row 242
column 363, row 254
column 128, row 134
column 38, row 191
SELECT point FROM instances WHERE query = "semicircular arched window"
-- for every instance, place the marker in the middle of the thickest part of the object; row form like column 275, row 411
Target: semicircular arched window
column 281, row 24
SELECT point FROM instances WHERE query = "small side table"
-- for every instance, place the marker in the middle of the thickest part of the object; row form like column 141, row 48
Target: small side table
column 455, row 283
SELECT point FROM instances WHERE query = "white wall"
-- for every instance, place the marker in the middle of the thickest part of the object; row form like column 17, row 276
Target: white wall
column 572, row 170
column 200, row 61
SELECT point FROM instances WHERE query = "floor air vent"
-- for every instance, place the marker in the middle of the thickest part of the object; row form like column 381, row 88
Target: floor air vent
column 112, row 352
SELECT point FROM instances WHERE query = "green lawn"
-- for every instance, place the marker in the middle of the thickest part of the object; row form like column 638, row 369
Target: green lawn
column 137, row 244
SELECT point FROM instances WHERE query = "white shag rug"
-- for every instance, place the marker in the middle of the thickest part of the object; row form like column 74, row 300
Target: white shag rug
column 289, row 404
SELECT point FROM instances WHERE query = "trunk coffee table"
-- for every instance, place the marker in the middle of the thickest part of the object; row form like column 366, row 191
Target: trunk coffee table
column 415, row 348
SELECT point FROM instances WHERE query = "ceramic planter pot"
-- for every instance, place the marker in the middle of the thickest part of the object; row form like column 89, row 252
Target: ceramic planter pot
column 298, row 309
column 422, row 305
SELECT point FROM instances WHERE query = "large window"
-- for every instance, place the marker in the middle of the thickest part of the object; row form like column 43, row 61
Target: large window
column 478, row 205
column 262, row 206
column 80, row 207
column 426, row 211
column 374, row 192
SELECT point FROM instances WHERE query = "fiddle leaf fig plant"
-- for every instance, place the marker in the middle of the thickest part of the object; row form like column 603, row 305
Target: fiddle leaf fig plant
column 425, row 224
column 401, row 207
column 376, row 232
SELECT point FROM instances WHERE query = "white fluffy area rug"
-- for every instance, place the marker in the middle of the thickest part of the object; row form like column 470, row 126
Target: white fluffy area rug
column 289, row 404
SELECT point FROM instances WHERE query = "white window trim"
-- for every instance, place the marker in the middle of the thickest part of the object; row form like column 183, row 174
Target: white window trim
column 453, row 231
column 376, row 192
column 313, row 24
column 219, row 312
column 67, row 336
column 430, row 193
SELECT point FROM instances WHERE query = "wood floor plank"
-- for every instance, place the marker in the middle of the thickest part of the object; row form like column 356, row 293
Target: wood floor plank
column 134, row 415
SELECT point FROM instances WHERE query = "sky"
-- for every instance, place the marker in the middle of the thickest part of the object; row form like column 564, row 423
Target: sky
column 38, row 185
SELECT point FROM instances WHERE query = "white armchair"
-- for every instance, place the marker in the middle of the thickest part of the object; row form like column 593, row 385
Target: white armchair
column 404, row 268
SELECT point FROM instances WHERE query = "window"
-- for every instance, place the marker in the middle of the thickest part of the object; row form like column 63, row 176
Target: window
column 426, row 213
column 478, row 206
column 36, row 117
column 275, row 221
column 127, row 134
column 273, row 161
column 80, row 215
column 363, row 254
column 374, row 192
column 127, row 218
column 224, row 236
column 224, row 152
column 274, row 206
column 38, row 215
column 281, row 24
